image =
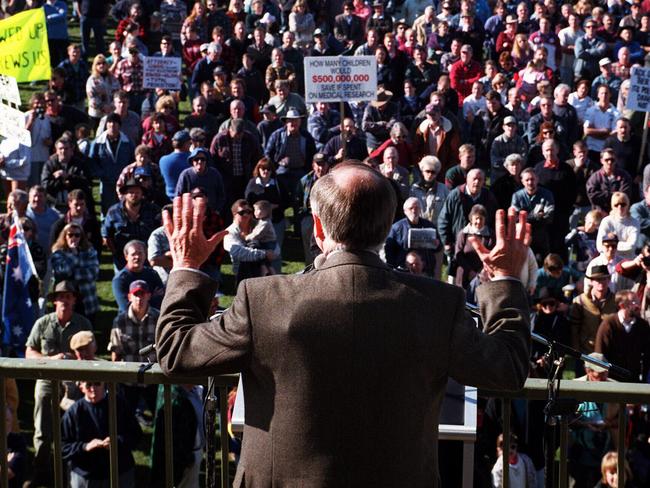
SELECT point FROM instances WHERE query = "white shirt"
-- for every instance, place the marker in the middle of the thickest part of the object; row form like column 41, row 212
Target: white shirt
column 595, row 118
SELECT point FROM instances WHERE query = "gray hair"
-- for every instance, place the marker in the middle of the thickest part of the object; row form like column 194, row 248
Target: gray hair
column 134, row 243
column 513, row 158
column 430, row 162
column 409, row 201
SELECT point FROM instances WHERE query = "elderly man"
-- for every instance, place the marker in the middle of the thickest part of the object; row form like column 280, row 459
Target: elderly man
column 349, row 290
column 504, row 145
column 504, row 187
column 540, row 205
column 205, row 67
column 284, row 100
column 391, row 169
column 136, row 268
column 50, row 339
column 399, row 240
column 200, row 175
column 455, row 211
column 237, row 110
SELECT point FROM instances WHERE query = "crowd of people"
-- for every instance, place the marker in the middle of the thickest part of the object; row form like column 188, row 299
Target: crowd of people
column 480, row 105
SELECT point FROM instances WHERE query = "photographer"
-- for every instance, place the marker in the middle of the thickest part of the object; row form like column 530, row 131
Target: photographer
column 38, row 125
column 400, row 239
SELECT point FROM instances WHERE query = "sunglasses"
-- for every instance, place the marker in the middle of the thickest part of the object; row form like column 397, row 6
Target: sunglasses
column 200, row 159
column 555, row 268
column 74, row 234
column 243, row 213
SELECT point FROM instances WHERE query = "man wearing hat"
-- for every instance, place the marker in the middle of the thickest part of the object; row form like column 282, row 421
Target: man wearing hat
column 134, row 329
column 110, row 152
column 132, row 218
column 607, row 78
column 379, row 117
column 235, row 152
column 269, row 124
column 379, row 19
column 172, row 165
column 321, row 46
column 200, row 175
column 589, row 308
column 509, row 142
column 50, row 339
column 285, row 99
column 348, row 28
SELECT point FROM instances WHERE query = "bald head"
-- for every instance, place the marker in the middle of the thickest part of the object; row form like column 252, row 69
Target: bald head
column 356, row 206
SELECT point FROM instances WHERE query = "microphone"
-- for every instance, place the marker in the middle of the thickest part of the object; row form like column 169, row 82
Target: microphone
column 146, row 350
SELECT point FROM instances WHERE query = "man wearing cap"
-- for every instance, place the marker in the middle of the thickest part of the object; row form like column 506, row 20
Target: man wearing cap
column 110, row 152
column 624, row 337
column 348, row 28
column 379, row 20
column 200, row 175
column 379, row 117
column 235, row 152
column 589, row 50
column 633, row 19
column 269, row 124
column 173, row 164
column 611, row 258
column 203, row 70
column 136, row 268
column 607, row 78
column 50, row 339
column 509, row 142
column 463, row 73
column 589, row 308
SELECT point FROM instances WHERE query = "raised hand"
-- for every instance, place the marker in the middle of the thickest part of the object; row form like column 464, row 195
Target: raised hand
column 187, row 243
column 510, row 253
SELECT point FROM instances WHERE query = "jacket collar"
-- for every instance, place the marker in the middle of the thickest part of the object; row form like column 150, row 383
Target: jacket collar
column 342, row 258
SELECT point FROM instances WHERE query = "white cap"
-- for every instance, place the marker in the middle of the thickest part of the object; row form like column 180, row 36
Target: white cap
column 604, row 62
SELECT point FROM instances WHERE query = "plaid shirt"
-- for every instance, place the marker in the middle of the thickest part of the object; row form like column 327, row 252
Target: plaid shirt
column 129, row 334
column 130, row 75
column 83, row 270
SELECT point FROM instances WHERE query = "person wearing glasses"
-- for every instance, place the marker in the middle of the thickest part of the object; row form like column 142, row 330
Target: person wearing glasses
column 622, row 224
column 589, row 50
column 74, row 259
column 609, row 179
column 100, row 87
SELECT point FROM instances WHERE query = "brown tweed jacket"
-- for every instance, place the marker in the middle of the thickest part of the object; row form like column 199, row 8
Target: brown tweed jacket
column 344, row 368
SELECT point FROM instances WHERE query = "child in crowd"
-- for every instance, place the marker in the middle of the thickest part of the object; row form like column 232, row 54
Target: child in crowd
column 82, row 134
column 522, row 470
column 263, row 235
column 609, row 470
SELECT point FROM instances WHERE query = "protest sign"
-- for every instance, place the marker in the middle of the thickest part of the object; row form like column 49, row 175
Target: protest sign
column 340, row 79
column 12, row 125
column 159, row 72
column 24, row 53
column 639, row 96
column 9, row 90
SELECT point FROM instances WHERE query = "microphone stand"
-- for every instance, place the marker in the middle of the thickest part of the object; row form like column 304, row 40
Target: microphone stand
column 559, row 409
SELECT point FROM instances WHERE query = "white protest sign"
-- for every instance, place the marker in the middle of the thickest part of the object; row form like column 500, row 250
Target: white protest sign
column 340, row 79
column 9, row 90
column 12, row 125
column 159, row 72
column 639, row 96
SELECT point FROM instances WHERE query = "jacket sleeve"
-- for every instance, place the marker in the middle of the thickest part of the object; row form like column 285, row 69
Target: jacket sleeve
column 187, row 343
column 496, row 357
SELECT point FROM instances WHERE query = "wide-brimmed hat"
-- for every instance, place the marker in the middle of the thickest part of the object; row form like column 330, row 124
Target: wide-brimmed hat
column 64, row 286
column 131, row 182
column 292, row 113
column 383, row 97
column 598, row 272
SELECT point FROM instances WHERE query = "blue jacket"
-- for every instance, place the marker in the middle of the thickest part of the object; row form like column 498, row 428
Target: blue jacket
column 641, row 212
column 107, row 165
column 55, row 19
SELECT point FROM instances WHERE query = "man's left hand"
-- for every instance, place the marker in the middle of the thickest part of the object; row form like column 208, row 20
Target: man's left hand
column 187, row 243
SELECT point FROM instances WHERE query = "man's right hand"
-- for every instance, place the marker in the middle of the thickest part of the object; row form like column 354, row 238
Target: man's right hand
column 95, row 444
column 510, row 252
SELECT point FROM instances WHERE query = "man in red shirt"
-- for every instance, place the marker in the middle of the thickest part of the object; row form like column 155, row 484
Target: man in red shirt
column 464, row 72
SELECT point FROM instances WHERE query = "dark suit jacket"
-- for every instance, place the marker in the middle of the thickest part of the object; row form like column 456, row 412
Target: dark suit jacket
column 345, row 367
column 354, row 31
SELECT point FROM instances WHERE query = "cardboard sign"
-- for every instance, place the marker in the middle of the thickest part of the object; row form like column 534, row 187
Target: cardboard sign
column 639, row 96
column 12, row 125
column 9, row 90
column 24, row 52
column 162, row 72
column 340, row 79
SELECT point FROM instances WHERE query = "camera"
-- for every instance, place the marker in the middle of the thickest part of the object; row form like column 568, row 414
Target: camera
column 40, row 112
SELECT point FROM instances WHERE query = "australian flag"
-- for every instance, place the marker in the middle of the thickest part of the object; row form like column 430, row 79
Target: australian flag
column 18, row 311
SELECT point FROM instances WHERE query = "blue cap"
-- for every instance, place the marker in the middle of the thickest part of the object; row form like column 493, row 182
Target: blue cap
column 181, row 136
column 196, row 151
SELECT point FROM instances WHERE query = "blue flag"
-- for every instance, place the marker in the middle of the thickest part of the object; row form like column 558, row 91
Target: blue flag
column 18, row 311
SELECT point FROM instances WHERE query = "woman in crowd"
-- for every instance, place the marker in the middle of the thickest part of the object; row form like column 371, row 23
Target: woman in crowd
column 580, row 99
column 74, row 259
column 521, row 51
column 196, row 19
column 301, row 23
column 622, row 225
column 100, row 87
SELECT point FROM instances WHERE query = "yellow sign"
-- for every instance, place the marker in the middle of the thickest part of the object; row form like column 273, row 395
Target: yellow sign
column 23, row 46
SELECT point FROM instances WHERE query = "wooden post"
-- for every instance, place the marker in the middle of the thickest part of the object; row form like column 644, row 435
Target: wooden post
column 343, row 143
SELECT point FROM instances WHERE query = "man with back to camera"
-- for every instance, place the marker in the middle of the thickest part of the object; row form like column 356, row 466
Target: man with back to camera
column 330, row 342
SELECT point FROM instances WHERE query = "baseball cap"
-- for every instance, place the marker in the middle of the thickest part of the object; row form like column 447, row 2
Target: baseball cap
column 604, row 62
column 181, row 136
column 509, row 120
column 81, row 339
column 139, row 285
